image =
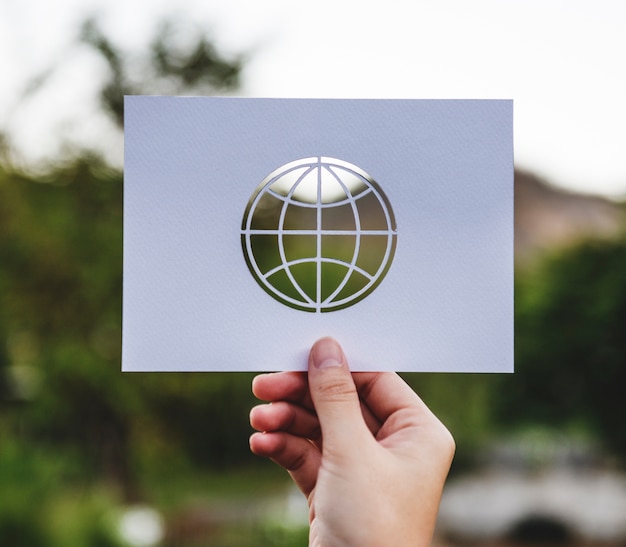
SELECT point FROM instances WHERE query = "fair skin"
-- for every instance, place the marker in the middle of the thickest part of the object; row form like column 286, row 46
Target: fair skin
column 367, row 453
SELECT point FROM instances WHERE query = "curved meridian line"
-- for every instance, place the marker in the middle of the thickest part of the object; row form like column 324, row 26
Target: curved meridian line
column 391, row 238
column 264, row 187
column 351, row 168
column 391, row 220
column 252, row 258
column 376, row 279
column 281, row 223
column 392, row 232
column 294, row 186
column 366, row 179
column 286, row 265
column 350, row 267
column 357, row 243
column 349, row 199
column 301, row 203
column 372, row 186
column 274, row 194
column 309, row 303
column 391, row 241
column 264, row 278
column 355, row 296
column 369, row 181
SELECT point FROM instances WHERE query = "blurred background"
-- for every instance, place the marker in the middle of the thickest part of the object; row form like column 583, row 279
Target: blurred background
column 91, row 457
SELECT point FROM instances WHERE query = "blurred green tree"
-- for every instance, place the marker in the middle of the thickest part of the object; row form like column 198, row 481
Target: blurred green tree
column 570, row 344
column 179, row 62
column 60, row 302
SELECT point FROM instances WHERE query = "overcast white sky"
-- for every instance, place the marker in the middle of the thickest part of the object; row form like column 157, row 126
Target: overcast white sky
column 562, row 61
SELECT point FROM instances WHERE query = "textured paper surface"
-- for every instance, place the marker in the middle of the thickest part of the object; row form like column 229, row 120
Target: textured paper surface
column 192, row 164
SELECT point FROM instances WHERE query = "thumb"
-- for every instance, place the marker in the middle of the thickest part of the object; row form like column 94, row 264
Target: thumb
column 334, row 395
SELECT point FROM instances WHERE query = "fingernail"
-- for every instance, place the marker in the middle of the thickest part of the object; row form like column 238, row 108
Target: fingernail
column 326, row 353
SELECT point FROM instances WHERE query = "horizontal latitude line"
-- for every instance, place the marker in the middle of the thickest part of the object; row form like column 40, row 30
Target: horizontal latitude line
column 322, row 232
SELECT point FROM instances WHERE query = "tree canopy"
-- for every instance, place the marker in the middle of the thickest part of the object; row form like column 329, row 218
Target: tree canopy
column 571, row 344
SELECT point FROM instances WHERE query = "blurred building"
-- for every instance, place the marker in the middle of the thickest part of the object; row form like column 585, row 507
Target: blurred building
column 548, row 217
column 546, row 489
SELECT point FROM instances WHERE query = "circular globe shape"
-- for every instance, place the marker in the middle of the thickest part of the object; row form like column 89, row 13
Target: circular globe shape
column 318, row 234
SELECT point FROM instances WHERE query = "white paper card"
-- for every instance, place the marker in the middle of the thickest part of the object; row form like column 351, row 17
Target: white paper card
column 252, row 227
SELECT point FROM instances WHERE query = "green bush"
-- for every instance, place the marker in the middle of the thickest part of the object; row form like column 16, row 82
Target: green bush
column 570, row 344
column 41, row 505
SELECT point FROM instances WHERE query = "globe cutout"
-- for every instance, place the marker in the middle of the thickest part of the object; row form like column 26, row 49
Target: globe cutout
column 318, row 234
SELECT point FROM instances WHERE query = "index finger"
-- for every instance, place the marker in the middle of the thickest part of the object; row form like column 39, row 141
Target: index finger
column 283, row 386
column 385, row 393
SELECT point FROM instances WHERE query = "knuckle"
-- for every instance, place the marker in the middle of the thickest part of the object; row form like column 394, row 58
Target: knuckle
column 296, row 462
column 336, row 390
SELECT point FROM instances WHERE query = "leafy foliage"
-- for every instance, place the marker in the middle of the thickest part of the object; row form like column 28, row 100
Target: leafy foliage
column 172, row 66
column 60, row 302
column 61, row 287
column 35, row 502
column 571, row 344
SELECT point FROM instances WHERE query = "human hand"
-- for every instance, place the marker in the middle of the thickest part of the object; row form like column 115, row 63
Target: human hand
column 367, row 453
